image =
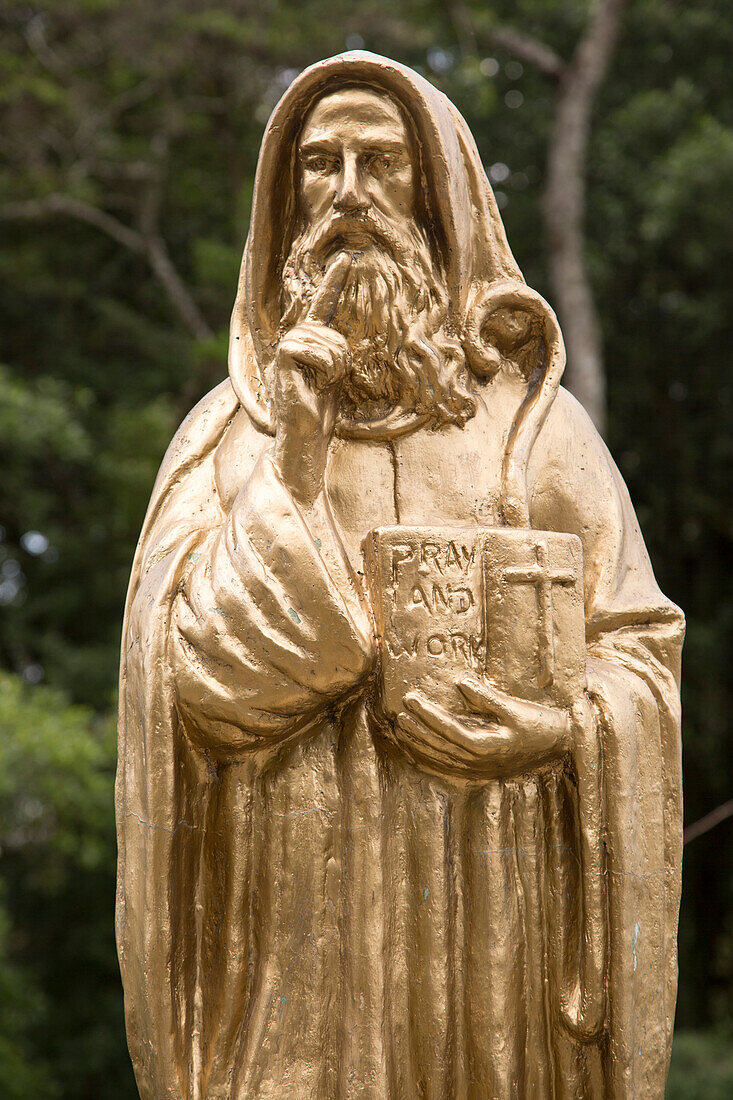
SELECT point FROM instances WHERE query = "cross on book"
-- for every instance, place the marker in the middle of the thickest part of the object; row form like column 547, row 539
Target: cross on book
column 543, row 577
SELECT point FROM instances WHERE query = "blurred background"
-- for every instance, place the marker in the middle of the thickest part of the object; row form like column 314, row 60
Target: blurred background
column 129, row 134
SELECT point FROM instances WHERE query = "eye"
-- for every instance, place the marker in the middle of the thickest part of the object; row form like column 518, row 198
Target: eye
column 321, row 164
column 379, row 163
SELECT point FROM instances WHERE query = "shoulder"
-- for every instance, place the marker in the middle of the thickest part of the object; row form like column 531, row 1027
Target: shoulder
column 573, row 482
column 217, row 429
column 575, row 486
column 186, row 494
column 199, row 433
column 236, row 455
column 569, row 438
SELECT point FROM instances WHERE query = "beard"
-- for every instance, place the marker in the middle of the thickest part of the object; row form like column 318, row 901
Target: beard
column 392, row 312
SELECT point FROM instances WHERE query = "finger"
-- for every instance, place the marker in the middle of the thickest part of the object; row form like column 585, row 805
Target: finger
column 298, row 395
column 326, row 298
column 415, row 736
column 441, row 722
column 435, row 739
column 321, row 362
column 516, row 714
column 487, row 699
column 316, row 334
column 307, row 353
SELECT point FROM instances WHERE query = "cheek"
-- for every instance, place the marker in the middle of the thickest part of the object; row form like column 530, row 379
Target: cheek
column 316, row 192
column 398, row 195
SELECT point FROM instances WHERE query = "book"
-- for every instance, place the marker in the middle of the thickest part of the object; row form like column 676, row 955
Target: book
column 504, row 603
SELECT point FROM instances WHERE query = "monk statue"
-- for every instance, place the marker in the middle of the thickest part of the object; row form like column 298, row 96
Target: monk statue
column 398, row 796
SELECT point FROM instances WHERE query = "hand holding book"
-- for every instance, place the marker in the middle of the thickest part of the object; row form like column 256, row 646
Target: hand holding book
column 506, row 736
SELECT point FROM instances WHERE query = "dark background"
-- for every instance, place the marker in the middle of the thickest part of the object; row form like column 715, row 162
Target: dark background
column 129, row 135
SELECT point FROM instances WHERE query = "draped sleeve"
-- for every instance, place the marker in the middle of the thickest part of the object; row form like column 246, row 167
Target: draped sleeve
column 263, row 635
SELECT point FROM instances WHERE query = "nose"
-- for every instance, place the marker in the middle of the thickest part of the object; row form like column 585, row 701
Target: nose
column 350, row 196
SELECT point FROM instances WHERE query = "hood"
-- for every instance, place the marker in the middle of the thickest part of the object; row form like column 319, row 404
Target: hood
column 481, row 273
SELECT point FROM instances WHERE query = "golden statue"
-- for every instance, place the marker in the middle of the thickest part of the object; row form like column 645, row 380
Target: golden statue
column 399, row 777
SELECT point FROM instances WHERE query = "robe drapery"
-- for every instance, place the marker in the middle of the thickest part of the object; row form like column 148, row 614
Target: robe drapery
column 304, row 912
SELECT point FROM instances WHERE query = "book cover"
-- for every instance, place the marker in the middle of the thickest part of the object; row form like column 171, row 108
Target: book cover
column 501, row 602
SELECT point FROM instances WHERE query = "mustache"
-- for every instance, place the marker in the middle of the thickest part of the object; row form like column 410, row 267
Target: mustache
column 354, row 232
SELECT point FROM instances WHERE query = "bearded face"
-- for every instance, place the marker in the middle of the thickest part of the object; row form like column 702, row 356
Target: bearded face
column 394, row 306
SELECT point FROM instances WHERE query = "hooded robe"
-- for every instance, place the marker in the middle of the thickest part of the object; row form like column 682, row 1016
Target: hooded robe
column 302, row 911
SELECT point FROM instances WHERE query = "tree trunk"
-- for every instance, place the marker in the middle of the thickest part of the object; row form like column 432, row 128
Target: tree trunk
column 564, row 208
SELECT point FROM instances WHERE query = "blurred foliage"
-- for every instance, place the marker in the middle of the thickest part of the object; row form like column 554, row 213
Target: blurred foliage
column 152, row 114
column 60, row 1006
column 702, row 1066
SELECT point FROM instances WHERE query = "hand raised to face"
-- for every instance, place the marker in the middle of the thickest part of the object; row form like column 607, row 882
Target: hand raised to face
column 312, row 361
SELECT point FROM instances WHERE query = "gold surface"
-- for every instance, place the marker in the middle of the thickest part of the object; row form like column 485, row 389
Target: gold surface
column 405, row 824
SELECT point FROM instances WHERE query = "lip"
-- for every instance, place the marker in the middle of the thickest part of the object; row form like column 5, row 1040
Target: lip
column 351, row 231
column 355, row 238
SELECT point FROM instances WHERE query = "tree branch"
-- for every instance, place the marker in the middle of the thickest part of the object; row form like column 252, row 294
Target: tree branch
column 152, row 248
column 92, row 121
column 152, row 192
column 564, row 198
column 167, row 274
column 51, row 60
column 524, row 46
column 50, row 205
column 709, row 821
column 463, row 25
column 528, row 48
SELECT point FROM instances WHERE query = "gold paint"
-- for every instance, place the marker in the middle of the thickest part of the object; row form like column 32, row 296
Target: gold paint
column 406, row 824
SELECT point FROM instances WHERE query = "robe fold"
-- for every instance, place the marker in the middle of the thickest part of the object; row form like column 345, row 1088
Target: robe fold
column 273, row 837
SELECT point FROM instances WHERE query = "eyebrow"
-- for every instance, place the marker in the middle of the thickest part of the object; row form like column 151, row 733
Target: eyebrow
column 318, row 145
column 382, row 144
column 379, row 145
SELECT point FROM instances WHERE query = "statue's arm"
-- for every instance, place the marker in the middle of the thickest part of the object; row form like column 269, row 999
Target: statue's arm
column 266, row 629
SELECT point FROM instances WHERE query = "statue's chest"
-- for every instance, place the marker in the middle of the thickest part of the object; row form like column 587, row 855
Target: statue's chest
column 445, row 477
column 451, row 476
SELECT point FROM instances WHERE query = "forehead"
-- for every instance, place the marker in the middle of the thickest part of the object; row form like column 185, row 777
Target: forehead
column 355, row 111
